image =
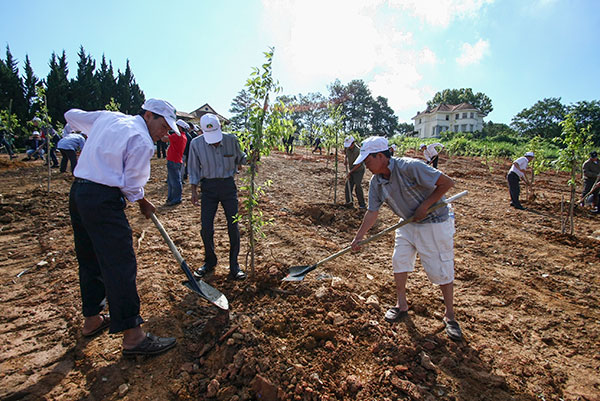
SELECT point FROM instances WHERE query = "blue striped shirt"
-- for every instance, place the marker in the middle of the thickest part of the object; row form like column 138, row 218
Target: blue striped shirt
column 209, row 161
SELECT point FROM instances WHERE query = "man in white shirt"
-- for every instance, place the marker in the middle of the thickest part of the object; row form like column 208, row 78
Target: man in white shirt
column 430, row 153
column 515, row 174
column 114, row 166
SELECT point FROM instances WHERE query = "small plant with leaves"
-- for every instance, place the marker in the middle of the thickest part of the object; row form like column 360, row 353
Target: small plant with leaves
column 574, row 142
column 333, row 137
column 267, row 125
column 112, row 105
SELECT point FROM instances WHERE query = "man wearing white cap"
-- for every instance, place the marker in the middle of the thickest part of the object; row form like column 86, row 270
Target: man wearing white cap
column 410, row 188
column 213, row 161
column 355, row 172
column 430, row 153
column 516, row 172
column 114, row 166
column 177, row 141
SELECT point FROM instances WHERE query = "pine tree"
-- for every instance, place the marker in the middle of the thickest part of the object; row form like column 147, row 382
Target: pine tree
column 129, row 94
column 11, row 87
column 107, row 84
column 58, row 93
column 85, row 87
column 29, row 84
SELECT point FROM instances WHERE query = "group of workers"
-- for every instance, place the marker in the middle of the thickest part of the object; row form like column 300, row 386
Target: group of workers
column 114, row 166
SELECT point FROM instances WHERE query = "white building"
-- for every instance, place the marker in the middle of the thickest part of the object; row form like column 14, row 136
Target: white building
column 447, row 117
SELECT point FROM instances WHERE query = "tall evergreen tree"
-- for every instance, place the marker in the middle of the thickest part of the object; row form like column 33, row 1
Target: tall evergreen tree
column 58, row 93
column 383, row 120
column 85, row 87
column 129, row 94
column 29, row 84
column 240, row 110
column 11, row 87
column 107, row 84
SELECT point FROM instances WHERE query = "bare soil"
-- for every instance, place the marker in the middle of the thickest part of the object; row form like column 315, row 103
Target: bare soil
column 526, row 297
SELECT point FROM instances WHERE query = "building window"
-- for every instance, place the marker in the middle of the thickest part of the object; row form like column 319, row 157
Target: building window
column 447, row 117
column 463, row 127
column 471, row 115
column 471, row 127
column 419, row 121
column 457, row 116
column 456, row 128
column 464, row 115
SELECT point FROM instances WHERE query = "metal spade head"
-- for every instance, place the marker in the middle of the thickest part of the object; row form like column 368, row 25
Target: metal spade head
column 297, row 273
column 209, row 293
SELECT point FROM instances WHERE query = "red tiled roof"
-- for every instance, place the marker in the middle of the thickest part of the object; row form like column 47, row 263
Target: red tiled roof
column 447, row 108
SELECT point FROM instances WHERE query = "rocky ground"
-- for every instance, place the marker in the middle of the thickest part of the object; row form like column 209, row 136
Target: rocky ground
column 526, row 297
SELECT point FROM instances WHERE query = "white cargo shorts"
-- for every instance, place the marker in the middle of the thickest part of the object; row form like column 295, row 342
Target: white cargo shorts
column 435, row 244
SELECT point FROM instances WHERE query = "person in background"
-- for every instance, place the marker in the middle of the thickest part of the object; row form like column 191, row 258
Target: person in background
column 190, row 134
column 355, row 173
column 68, row 146
column 317, row 145
column 34, row 147
column 214, row 159
column 392, row 149
column 48, row 135
column 161, row 149
column 4, row 133
column 410, row 187
column 431, row 154
column 515, row 174
column 114, row 166
column 591, row 172
column 177, row 143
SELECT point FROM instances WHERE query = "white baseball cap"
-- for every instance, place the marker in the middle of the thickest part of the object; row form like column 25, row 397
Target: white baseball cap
column 421, row 146
column 373, row 144
column 164, row 109
column 529, row 154
column 212, row 128
column 183, row 124
column 348, row 141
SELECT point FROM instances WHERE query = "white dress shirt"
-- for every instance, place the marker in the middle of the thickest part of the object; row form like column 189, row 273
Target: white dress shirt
column 117, row 152
column 430, row 152
column 522, row 162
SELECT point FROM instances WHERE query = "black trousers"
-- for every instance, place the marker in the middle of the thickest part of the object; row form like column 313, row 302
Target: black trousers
column 588, row 184
column 514, row 188
column 434, row 161
column 68, row 155
column 104, row 248
column 223, row 191
column 355, row 183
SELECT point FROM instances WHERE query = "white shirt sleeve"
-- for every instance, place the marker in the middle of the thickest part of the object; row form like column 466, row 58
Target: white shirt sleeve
column 136, row 168
column 82, row 120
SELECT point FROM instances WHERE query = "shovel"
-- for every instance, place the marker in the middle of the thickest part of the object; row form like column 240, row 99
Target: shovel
column 207, row 292
column 297, row 273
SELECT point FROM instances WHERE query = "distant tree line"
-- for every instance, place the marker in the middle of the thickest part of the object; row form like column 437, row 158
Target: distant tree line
column 91, row 89
column 363, row 113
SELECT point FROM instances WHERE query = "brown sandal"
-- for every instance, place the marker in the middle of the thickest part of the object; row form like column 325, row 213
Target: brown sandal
column 105, row 323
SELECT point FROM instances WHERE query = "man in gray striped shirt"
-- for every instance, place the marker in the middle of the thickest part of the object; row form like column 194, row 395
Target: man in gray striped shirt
column 213, row 160
column 410, row 187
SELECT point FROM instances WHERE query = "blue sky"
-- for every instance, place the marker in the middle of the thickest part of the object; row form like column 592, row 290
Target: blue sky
column 195, row 52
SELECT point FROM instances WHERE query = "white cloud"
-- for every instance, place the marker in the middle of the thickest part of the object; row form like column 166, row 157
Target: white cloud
column 317, row 41
column 440, row 12
column 472, row 54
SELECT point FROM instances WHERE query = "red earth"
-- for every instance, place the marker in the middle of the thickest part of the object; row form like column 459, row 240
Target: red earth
column 526, row 297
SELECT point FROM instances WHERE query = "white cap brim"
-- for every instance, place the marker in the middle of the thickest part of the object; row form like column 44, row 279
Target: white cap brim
column 361, row 158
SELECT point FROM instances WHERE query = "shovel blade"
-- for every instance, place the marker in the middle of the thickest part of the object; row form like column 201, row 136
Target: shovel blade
column 297, row 273
column 209, row 293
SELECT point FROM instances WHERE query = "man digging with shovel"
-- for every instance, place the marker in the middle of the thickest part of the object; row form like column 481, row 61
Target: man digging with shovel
column 114, row 165
column 410, row 188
